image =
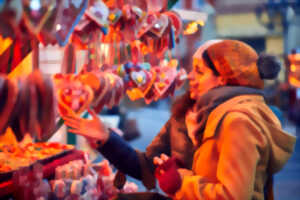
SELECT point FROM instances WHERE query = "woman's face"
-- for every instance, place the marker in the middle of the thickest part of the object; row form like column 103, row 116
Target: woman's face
column 202, row 79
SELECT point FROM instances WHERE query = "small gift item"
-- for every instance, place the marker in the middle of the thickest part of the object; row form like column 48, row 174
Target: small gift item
column 76, row 187
column 147, row 24
column 98, row 12
column 143, row 81
column 69, row 14
column 114, row 16
column 166, row 76
column 73, row 97
column 160, row 25
column 59, row 188
column 21, row 182
column 36, row 13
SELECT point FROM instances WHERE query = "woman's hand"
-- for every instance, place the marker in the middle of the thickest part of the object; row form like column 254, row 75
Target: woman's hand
column 160, row 160
column 93, row 129
column 167, row 174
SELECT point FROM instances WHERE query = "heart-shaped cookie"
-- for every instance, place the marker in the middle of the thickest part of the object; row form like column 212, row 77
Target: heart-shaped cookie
column 160, row 25
column 73, row 97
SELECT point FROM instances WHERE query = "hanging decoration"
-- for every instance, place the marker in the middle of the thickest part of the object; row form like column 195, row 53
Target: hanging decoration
column 193, row 27
column 128, row 45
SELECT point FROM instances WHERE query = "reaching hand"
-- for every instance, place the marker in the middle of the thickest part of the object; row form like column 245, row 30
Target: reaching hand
column 92, row 129
column 160, row 160
column 167, row 174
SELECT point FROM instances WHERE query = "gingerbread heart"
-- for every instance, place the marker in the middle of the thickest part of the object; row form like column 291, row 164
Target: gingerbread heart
column 160, row 25
column 73, row 98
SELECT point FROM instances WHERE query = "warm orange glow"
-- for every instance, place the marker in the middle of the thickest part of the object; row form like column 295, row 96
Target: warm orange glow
column 193, row 27
column 134, row 94
column 8, row 138
column 293, row 68
column 294, row 81
column 4, row 44
column 294, row 57
column 23, row 69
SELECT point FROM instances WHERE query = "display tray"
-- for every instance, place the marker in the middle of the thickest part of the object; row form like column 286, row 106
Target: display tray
column 49, row 165
column 8, row 175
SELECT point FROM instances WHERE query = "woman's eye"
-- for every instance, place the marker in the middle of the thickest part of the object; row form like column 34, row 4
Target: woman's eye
column 198, row 70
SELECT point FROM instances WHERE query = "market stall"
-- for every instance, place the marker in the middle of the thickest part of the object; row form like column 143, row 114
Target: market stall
column 128, row 47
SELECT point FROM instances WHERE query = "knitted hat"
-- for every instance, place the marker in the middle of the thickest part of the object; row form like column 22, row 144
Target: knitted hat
column 237, row 62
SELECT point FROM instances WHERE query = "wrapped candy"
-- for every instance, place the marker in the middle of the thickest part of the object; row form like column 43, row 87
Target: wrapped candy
column 59, row 188
column 60, row 173
column 76, row 187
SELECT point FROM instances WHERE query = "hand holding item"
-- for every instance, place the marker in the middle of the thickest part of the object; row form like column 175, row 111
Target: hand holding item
column 92, row 129
column 167, row 173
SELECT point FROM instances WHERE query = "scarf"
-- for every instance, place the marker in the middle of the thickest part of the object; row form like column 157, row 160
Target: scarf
column 213, row 98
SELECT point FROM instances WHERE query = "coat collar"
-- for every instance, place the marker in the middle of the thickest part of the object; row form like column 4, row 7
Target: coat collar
column 219, row 112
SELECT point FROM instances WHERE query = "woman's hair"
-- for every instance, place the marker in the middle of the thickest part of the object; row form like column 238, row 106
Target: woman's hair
column 182, row 104
column 209, row 63
column 268, row 66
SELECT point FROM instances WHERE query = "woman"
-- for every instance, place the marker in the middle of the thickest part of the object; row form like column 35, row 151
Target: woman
column 223, row 140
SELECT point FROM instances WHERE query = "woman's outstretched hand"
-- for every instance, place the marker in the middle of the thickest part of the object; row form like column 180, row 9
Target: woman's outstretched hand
column 92, row 129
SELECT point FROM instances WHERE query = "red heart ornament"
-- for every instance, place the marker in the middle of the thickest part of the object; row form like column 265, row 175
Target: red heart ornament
column 73, row 98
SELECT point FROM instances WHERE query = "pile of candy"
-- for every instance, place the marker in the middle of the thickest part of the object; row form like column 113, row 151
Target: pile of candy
column 77, row 180
column 73, row 181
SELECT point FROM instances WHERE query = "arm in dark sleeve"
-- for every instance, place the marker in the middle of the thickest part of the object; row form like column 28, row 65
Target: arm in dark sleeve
column 134, row 163
column 121, row 155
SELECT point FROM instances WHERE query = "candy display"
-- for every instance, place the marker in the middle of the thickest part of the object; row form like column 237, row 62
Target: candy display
column 92, row 184
column 13, row 157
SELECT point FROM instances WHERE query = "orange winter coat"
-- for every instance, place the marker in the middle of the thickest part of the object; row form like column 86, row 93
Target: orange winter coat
column 242, row 145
